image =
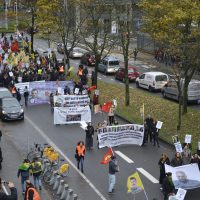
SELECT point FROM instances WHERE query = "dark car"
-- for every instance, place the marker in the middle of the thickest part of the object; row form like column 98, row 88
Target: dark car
column 10, row 109
column 87, row 59
column 4, row 92
column 132, row 74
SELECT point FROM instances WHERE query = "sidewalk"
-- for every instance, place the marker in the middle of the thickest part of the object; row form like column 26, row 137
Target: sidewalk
column 11, row 159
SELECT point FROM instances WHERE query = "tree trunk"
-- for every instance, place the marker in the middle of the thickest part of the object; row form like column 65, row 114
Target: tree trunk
column 180, row 101
column 127, row 95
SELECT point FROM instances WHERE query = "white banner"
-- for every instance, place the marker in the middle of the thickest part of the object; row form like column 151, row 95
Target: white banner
column 71, row 100
column 185, row 176
column 122, row 134
column 188, row 139
column 69, row 115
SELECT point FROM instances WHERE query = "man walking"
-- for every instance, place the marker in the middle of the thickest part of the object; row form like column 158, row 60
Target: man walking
column 113, row 168
column 26, row 94
column 36, row 168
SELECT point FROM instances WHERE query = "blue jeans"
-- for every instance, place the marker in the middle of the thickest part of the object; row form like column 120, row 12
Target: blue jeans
column 112, row 181
column 37, row 181
column 23, row 182
column 80, row 160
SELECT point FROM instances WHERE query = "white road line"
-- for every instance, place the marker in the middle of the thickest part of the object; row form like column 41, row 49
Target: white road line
column 147, row 175
column 51, row 143
column 127, row 159
column 112, row 79
column 99, row 78
column 4, row 189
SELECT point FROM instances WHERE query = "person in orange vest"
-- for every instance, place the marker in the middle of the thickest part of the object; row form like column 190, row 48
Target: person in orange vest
column 31, row 193
column 61, row 69
column 80, row 71
column 14, row 91
column 80, row 154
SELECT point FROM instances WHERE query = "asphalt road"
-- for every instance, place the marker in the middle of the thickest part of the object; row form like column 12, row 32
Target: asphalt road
column 38, row 127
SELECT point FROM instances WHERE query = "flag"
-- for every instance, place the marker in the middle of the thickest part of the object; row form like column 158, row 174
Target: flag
column 134, row 184
column 106, row 107
column 142, row 110
column 92, row 88
column 106, row 158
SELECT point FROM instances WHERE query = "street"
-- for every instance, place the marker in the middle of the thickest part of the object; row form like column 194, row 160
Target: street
column 38, row 127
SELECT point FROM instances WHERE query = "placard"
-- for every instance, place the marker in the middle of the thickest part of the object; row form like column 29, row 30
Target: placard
column 76, row 91
column 178, row 147
column 10, row 74
column 83, row 125
column 175, row 138
column 115, row 102
column 97, row 109
column 159, row 124
column 96, row 92
column 188, row 139
column 180, row 195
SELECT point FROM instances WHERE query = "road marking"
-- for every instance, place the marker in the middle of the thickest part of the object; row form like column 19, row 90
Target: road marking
column 127, row 159
column 112, row 79
column 51, row 143
column 147, row 175
column 99, row 78
column 4, row 189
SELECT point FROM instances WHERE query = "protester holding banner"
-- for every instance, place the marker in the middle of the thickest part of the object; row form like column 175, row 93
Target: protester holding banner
column 163, row 160
column 177, row 160
column 168, row 186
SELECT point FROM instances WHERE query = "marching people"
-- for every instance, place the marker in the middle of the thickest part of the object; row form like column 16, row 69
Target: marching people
column 24, row 171
column 31, row 193
column 196, row 159
column 186, row 155
column 148, row 128
column 177, row 160
column 163, row 160
column 13, row 191
column 89, row 136
column 80, row 155
column 36, row 170
column 135, row 53
column 168, row 186
column 111, row 115
column 113, row 168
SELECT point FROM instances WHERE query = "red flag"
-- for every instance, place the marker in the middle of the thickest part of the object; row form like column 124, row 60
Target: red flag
column 92, row 88
column 106, row 158
column 106, row 107
column 14, row 46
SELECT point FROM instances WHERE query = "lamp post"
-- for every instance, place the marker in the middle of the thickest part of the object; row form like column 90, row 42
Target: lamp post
column 6, row 14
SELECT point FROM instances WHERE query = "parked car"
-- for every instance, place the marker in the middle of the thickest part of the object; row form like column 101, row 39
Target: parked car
column 10, row 109
column 170, row 90
column 76, row 53
column 4, row 92
column 109, row 64
column 87, row 59
column 152, row 80
column 132, row 74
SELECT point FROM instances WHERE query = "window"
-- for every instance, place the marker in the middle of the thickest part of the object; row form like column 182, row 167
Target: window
column 142, row 76
column 161, row 78
column 111, row 63
column 131, row 71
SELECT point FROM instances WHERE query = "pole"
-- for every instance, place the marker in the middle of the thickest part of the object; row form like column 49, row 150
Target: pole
column 6, row 14
column 65, row 10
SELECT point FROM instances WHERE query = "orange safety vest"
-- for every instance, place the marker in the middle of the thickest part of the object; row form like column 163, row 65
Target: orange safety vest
column 36, row 195
column 81, row 150
column 80, row 72
column 14, row 90
column 61, row 69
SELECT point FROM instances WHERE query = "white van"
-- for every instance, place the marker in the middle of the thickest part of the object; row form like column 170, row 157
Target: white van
column 152, row 80
column 170, row 90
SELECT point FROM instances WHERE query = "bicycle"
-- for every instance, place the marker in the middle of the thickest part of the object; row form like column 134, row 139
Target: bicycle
column 63, row 171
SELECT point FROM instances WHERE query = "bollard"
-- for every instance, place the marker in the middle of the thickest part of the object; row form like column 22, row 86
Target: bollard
column 60, row 187
column 53, row 178
column 75, row 197
column 70, row 194
column 56, row 183
column 64, row 192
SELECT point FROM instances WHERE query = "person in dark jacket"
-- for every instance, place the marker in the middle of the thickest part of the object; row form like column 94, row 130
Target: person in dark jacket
column 148, row 128
column 89, row 136
column 163, row 160
column 155, row 133
column 113, row 168
column 23, row 170
column 168, row 186
column 13, row 192
column 26, row 95
column 18, row 95
column 196, row 159
column 1, row 158
column 177, row 160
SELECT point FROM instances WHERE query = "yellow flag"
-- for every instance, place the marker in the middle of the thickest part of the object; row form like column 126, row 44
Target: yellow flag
column 134, row 184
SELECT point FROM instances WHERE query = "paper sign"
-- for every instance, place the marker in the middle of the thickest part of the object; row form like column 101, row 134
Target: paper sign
column 180, row 195
column 60, row 90
column 178, row 147
column 159, row 125
column 76, row 91
column 96, row 92
column 188, row 139
column 115, row 102
column 97, row 109
column 83, row 125
column 10, row 74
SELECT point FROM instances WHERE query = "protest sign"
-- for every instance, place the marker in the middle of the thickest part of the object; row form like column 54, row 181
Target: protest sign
column 178, row 147
column 97, row 109
column 159, row 124
column 175, row 138
column 96, row 92
column 122, row 134
column 83, row 125
column 185, row 176
column 188, row 139
column 180, row 195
